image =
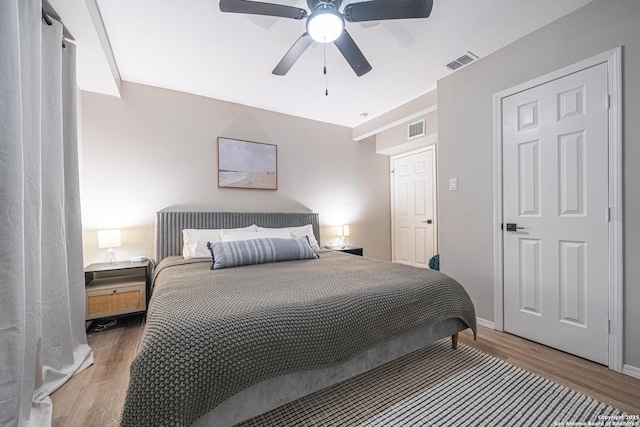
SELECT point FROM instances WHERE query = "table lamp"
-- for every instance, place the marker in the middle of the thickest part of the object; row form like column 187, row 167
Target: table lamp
column 343, row 233
column 109, row 239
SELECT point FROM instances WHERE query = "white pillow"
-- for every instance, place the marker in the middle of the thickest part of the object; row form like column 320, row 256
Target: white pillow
column 275, row 233
column 305, row 230
column 195, row 240
column 233, row 235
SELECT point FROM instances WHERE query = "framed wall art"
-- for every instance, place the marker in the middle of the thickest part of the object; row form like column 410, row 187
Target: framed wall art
column 245, row 164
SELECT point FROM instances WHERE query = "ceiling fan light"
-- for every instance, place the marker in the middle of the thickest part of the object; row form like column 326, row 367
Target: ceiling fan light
column 325, row 25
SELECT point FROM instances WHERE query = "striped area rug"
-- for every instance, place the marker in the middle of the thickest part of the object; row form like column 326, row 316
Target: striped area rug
column 439, row 386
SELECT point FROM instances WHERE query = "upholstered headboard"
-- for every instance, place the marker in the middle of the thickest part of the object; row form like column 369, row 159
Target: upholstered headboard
column 169, row 225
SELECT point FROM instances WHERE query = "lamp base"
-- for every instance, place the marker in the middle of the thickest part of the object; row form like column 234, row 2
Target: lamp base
column 342, row 243
column 110, row 257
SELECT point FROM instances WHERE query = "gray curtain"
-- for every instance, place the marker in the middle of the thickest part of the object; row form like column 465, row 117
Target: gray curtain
column 42, row 337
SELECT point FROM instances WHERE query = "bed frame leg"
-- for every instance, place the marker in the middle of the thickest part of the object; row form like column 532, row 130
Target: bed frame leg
column 454, row 341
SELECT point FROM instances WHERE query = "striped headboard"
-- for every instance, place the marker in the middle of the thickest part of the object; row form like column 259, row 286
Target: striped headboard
column 169, row 225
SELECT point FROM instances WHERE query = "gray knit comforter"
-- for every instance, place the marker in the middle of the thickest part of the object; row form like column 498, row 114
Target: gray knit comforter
column 212, row 333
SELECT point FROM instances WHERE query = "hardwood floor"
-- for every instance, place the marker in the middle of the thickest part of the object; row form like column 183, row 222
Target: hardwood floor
column 95, row 396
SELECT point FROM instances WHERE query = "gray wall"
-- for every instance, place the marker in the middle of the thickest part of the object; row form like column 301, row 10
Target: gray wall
column 465, row 145
column 154, row 149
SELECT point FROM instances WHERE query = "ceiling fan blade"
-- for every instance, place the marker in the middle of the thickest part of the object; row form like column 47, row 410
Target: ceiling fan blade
column 292, row 56
column 259, row 8
column 352, row 54
column 378, row 10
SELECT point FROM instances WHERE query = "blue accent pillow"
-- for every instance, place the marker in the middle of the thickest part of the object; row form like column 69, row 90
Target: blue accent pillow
column 259, row 251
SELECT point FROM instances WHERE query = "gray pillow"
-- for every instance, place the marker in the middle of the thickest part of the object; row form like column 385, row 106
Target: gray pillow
column 259, row 251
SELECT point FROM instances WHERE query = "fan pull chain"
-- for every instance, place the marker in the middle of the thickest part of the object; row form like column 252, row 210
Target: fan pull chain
column 326, row 77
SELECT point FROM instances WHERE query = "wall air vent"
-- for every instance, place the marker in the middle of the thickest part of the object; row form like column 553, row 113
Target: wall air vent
column 462, row 61
column 416, row 129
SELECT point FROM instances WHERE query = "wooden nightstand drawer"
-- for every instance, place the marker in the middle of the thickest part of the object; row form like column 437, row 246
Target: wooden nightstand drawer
column 116, row 289
column 112, row 296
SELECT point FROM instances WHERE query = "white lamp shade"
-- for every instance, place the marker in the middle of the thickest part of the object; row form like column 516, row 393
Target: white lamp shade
column 343, row 230
column 109, row 238
column 325, row 25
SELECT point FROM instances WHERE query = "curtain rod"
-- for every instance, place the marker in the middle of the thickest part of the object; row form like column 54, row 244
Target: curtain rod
column 47, row 20
column 49, row 13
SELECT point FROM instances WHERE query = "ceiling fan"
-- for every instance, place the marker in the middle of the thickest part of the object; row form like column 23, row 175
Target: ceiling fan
column 326, row 24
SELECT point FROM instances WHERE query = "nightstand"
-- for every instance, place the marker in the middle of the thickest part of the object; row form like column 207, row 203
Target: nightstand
column 116, row 289
column 354, row 250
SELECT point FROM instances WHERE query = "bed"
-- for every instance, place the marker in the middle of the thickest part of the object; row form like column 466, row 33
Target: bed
column 222, row 346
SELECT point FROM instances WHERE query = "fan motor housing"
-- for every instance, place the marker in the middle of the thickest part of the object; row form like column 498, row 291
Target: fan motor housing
column 315, row 3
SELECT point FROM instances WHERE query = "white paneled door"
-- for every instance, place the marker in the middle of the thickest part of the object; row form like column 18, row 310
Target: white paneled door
column 414, row 199
column 555, row 210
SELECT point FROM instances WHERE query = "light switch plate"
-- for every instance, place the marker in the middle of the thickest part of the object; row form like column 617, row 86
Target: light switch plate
column 453, row 184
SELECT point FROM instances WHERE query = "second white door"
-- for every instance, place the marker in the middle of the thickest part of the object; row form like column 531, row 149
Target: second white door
column 414, row 207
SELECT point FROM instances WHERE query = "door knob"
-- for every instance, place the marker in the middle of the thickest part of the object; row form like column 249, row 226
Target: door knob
column 513, row 227
column 429, row 221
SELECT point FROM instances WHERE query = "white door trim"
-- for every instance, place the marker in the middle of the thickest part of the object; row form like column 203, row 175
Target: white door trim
column 613, row 59
column 435, row 194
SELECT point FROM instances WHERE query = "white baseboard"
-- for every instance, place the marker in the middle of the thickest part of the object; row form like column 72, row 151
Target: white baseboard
column 485, row 323
column 632, row 371
column 629, row 370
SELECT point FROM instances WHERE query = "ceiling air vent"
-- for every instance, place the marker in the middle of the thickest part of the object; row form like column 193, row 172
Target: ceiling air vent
column 462, row 61
column 416, row 129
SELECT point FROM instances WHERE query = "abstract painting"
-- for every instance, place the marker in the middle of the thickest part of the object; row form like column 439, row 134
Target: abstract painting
column 244, row 164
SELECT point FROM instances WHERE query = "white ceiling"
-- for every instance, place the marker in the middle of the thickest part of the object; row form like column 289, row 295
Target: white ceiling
column 190, row 46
